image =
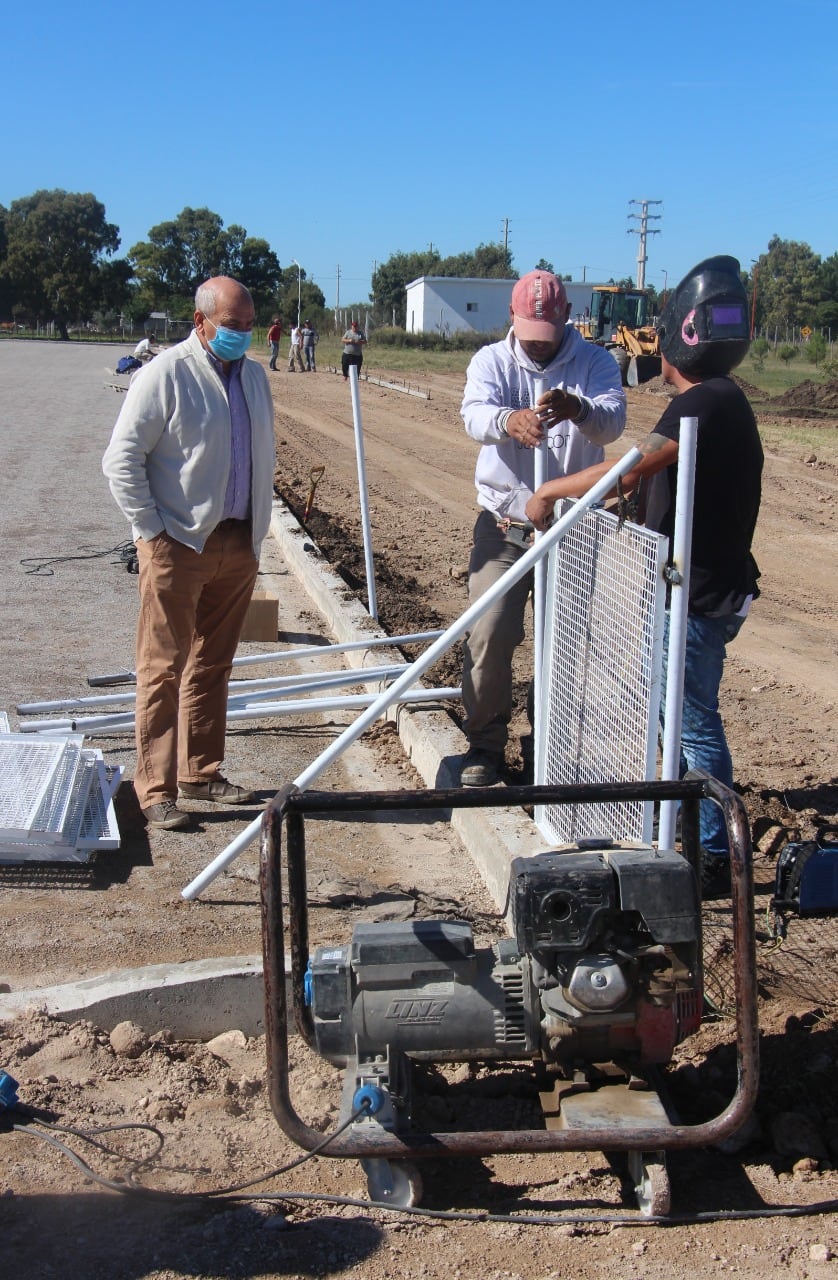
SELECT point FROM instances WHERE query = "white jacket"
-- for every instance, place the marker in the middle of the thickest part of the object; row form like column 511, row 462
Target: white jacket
column 169, row 457
column 500, row 376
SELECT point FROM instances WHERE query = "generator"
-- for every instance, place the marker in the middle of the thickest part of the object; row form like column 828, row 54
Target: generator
column 598, row 980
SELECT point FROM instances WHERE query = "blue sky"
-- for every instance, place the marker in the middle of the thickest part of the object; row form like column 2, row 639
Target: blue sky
column 344, row 133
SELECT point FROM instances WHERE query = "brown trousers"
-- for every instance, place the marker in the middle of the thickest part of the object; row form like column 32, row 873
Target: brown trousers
column 192, row 609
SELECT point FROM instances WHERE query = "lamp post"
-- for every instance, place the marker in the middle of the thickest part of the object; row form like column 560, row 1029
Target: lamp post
column 299, row 287
column 755, row 265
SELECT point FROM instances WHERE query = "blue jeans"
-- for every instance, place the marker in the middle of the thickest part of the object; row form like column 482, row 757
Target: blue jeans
column 703, row 742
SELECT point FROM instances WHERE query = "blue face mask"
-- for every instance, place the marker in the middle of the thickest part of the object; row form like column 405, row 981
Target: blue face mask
column 229, row 344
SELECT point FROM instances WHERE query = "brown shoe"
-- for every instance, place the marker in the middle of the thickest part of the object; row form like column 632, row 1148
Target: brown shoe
column 167, row 816
column 218, row 791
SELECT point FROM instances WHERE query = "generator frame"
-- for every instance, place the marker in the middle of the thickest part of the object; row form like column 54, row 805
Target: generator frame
column 371, row 1143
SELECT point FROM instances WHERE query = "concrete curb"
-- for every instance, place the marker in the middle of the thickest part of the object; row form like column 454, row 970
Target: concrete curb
column 195, row 1001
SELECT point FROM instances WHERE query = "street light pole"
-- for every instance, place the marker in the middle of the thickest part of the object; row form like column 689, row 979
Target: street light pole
column 755, row 265
column 299, row 287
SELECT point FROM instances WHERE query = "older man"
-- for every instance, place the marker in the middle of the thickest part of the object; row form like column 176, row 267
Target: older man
column 190, row 465
column 583, row 409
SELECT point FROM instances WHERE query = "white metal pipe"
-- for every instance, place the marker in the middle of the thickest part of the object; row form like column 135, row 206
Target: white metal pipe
column 237, row 688
column 362, row 489
column 348, row 701
column 539, row 592
column 313, row 651
column 678, row 607
column 242, row 710
column 457, row 629
column 290, row 655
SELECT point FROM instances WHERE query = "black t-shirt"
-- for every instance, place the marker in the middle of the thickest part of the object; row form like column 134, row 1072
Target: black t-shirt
column 728, row 474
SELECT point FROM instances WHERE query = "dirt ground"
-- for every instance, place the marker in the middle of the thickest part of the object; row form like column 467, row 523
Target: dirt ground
column 552, row 1218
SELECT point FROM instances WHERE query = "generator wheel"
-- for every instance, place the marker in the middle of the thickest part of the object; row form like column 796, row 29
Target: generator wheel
column 395, row 1182
column 651, row 1182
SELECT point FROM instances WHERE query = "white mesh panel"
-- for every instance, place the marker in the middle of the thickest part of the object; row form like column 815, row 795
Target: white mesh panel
column 602, row 672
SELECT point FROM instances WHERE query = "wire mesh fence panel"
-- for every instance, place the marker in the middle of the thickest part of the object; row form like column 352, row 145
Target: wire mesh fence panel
column 602, row 672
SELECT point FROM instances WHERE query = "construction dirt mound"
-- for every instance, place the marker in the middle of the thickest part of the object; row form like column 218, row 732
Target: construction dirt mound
column 809, row 395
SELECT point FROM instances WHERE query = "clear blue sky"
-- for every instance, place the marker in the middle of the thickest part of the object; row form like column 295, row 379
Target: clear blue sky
column 342, row 133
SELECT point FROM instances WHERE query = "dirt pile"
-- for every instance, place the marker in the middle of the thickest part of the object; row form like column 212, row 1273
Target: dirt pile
column 809, row 395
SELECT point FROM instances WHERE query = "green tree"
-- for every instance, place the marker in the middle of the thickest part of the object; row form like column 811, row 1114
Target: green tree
column 391, row 278
column 544, row 265
column 759, row 350
column 56, row 242
column 788, row 287
column 257, row 266
column 815, row 349
column 787, row 353
column 183, row 252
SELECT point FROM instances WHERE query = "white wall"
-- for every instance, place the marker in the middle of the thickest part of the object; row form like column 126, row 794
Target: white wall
column 448, row 304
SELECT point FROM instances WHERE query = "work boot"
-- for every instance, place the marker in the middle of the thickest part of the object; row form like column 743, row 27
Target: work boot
column 216, row 791
column 480, row 768
column 166, row 816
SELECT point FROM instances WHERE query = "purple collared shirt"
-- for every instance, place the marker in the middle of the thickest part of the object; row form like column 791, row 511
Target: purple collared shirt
column 237, row 497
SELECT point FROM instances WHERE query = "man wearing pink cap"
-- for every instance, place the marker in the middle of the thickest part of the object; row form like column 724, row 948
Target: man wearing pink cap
column 583, row 409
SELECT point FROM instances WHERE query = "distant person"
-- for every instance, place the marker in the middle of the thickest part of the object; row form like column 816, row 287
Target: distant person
column 191, row 466
column 296, row 349
column 583, row 409
column 274, row 339
column 146, row 349
column 704, row 335
column 353, row 344
column 310, row 340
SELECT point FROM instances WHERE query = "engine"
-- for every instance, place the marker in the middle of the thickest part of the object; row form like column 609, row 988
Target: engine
column 604, row 964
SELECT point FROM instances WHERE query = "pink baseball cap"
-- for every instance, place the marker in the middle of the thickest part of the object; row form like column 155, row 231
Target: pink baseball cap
column 539, row 307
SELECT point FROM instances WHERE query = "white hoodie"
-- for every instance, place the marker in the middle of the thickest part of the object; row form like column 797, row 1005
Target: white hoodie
column 500, row 376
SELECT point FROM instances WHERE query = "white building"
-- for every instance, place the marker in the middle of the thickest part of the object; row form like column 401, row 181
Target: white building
column 449, row 304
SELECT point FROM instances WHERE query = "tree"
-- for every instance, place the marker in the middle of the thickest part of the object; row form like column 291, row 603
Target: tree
column 55, row 246
column 787, row 285
column 182, row 253
column 815, row 349
column 759, row 350
column 544, row 265
column 257, row 266
column 391, row 278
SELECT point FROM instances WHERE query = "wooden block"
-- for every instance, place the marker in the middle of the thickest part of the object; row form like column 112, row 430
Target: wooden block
column 261, row 621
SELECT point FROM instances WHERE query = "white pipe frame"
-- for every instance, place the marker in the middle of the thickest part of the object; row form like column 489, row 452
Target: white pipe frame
column 103, row 725
column 542, row 455
column 288, row 655
column 457, row 629
column 678, row 608
column 362, row 490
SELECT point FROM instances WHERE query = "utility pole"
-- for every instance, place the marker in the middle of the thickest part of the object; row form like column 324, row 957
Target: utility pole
column 505, row 225
column 337, row 297
column 644, row 230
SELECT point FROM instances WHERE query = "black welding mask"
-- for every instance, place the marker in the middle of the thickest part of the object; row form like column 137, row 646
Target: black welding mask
column 704, row 326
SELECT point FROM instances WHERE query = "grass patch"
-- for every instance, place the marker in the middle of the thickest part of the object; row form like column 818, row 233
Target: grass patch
column 774, row 376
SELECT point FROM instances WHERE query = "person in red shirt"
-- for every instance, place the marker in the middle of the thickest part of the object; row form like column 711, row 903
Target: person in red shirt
column 274, row 336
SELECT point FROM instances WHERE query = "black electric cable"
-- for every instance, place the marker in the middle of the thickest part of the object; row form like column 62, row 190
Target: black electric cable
column 232, row 1193
column 41, row 567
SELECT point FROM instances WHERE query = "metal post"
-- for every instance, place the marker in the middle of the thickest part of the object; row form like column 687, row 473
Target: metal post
column 679, row 604
column 539, row 594
column 362, row 490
